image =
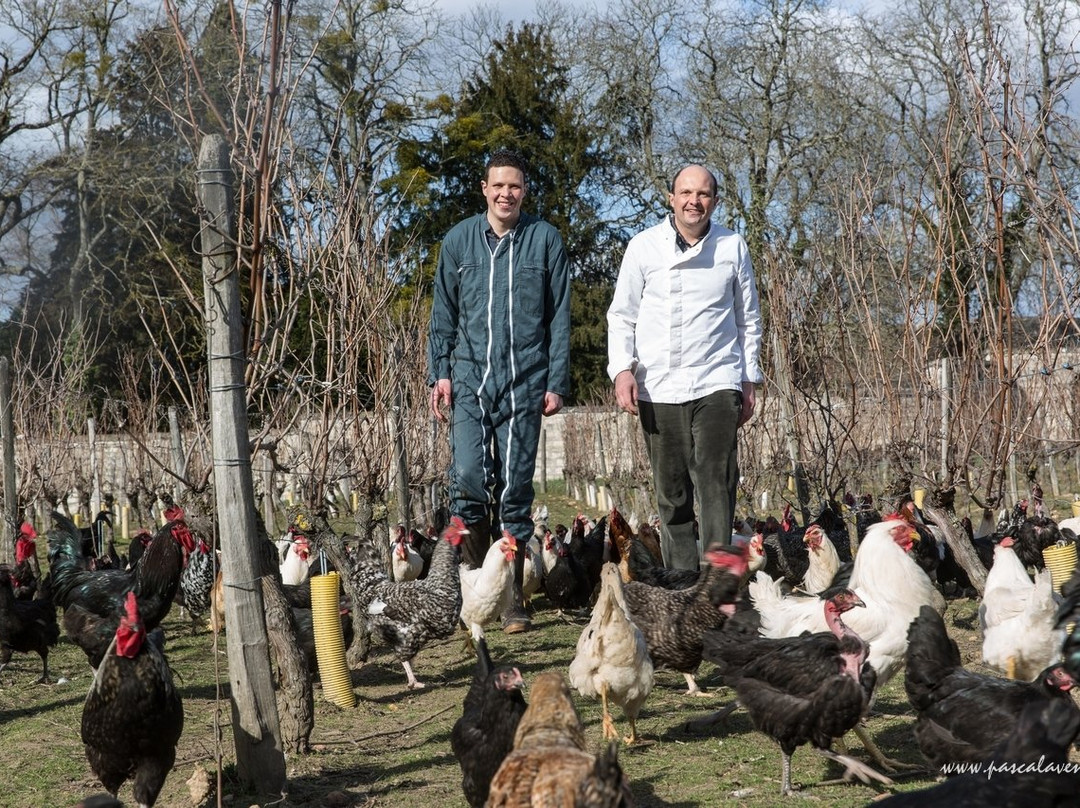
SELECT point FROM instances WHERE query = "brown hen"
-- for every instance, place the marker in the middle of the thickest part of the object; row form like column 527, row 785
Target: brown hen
column 550, row 765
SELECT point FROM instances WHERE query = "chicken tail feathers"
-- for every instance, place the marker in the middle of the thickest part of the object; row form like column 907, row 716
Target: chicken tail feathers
column 931, row 656
column 604, row 786
column 65, row 557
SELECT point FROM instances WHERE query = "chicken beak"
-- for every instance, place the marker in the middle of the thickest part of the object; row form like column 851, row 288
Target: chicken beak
column 857, row 601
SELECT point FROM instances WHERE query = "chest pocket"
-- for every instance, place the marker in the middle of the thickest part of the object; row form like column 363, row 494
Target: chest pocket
column 529, row 290
column 472, row 291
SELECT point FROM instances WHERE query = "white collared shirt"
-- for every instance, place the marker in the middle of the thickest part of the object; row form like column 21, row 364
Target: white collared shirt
column 686, row 323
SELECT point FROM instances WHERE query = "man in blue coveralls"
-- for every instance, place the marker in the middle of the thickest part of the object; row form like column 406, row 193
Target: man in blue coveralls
column 498, row 359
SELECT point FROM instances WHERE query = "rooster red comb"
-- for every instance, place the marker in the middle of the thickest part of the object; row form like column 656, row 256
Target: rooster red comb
column 454, row 530
column 173, row 512
column 26, row 531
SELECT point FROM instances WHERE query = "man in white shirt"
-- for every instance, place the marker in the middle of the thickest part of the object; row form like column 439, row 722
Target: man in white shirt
column 684, row 341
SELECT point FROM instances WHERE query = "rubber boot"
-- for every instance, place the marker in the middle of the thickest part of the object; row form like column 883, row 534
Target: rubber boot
column 474, row 545
column 515, row 619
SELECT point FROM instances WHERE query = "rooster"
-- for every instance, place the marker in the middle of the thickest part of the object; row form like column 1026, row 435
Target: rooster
column 25, row 574
column 963, row 715
column 673, row 621
column 90, row 599
column 1017, row 617
column 884, row 577
column 25, row 626
column 486, row 592
column 133, row 716
column 296, row 566
column 807, row 689
column 407, row 615
column 484, row 734
column 612, row 659
column 550, row 765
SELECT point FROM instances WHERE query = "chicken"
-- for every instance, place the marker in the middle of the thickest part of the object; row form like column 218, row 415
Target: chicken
column 424, row 544
column 405, row 562
column 196, row 581
column 612, row 659
column 963, row 715
column 296, row 567
column 823, row 561
column 885, row 578
column 798, row 690
column 636, row 563
column 1038, row 747
column 1068, row 619
column 567, row 583
column 133, row 716
column 673, row 621
column 25, row 626
column 549, row 764
column 90, row 598
column 486, row 592
column 484, row 734
column 1017, row 617
column 532, row 573
column 407, row 615
column 786, row 553
column 25, row 573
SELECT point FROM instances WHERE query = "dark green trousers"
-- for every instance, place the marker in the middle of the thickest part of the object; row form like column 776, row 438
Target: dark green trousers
column 692, row 449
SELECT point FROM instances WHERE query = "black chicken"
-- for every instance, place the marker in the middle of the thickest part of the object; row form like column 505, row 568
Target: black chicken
column 25, row 626
column 25, row 573
column 570, row 583
column 484, row 734
column 798, row 690
column 674, row 620
column 1068, row 615
column 1041, row 738
column 89, row 598
column 963, row 715
column 133, row 716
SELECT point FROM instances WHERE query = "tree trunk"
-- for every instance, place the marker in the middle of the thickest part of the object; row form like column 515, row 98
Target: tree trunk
column 956, row 538
column 260, row 761
column 296, row 703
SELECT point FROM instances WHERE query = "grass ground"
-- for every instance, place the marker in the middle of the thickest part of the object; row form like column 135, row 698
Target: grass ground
column 392, row 750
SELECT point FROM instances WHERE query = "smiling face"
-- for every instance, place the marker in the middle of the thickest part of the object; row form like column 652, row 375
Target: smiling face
column 504, row 190
column 693, row 200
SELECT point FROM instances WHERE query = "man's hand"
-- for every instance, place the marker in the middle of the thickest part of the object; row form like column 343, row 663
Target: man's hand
column 440, row 394
column 749, row 399
column 626, row 391
column 552, row 403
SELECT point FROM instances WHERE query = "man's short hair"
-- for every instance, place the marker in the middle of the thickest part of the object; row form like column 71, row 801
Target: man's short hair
column 506, row 158
column 712, row 178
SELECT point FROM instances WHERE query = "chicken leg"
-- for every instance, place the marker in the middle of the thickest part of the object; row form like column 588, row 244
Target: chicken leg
column 886, row 763
column 610, row 733
column 692, row 688
column 413, row 683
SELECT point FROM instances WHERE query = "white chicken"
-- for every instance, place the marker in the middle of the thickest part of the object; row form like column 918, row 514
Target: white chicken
column 549, row 554
column 885, row 578
column 824, row 561
column 296, row 568
column 1017, row 617
column 405, row 562
column 612, row 659
column 487, row 590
